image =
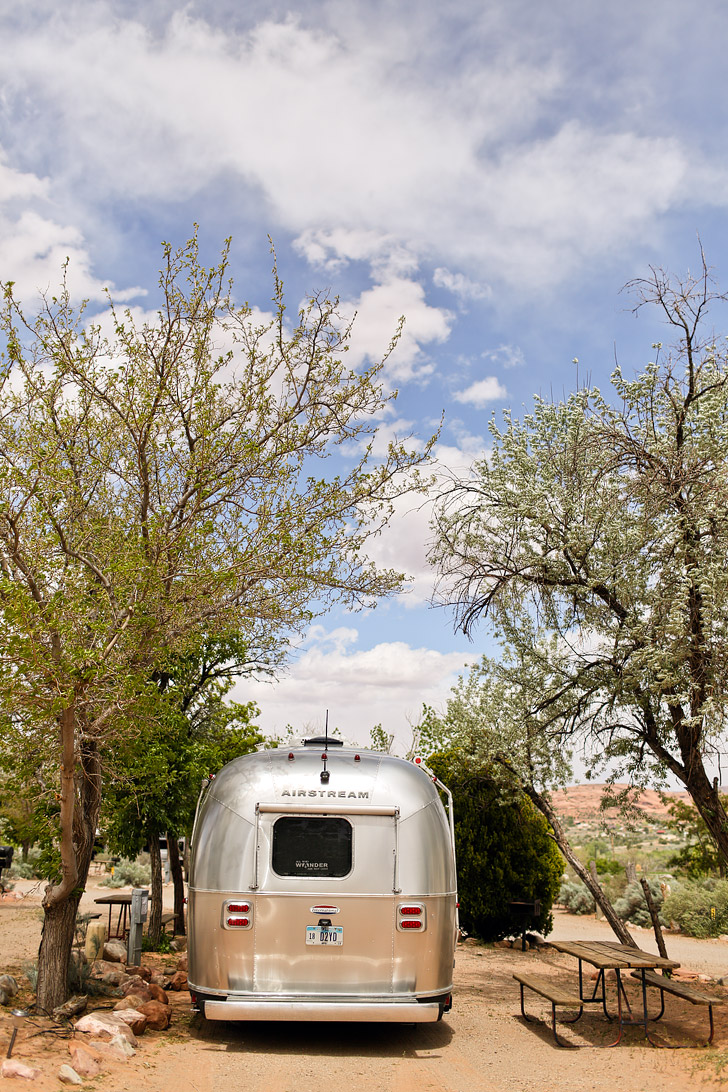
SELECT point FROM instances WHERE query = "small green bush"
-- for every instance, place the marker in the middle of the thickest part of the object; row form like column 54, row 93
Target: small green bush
column 699, row 909
column 25, row 870
column 575, row 898
column 607, row 866
column 632, row 907
column 164, row 946
column 504, row 853
column 129, row 873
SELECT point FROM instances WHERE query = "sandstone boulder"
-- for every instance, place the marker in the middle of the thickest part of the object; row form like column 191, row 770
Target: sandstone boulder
column 140, row 970
column 84, row 1061
column 132, row 1001
column 121, row 1047
column 8, row 985
column 115, row 951
column 136, row 1020
column 179, row 981
column 158, row 1015
column 137, row 985
column 105, row 1025
column 68, row 1075
column 13, row 1067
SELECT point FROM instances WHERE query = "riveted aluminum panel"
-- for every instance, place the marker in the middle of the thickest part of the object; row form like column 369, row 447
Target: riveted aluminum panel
column 402, row 850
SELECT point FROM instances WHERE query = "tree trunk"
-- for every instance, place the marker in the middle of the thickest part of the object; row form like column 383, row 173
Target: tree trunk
column 655, row 919
column 175, row 867
column 60, row 902
column 54, row 954
column 707, row 800
column 154, row 928
column 562, row 842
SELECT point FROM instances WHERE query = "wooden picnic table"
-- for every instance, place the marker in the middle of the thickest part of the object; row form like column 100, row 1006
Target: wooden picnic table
column 612, row 956
column 122, row 899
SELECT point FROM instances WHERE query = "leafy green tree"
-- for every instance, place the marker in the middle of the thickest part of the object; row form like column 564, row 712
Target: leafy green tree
column 699, row 856
column 605, row 527
column 167, row 480
column 492, row 731
column 158, row 779
column 504, row 851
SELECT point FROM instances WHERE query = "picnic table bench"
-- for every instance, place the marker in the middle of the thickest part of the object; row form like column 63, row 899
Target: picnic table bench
column 682, row 990
column 554, row 992
column 605, row 956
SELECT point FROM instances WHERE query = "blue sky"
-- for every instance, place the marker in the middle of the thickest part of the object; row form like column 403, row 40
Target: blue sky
column 494, row 171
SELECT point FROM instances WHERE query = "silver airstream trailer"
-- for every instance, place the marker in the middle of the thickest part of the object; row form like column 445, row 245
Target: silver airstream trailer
column 322, row 887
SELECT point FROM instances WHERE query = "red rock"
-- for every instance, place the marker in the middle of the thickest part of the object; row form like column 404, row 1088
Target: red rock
column 132, row 1001
column 143, row 972
column 13, row 1067
column 106, row 1024
column 138, row 987
column 136, row 1020
column 84, row 1062
column 179, row 981
column 157, row 1014
column 182, row 963
column 158, row 994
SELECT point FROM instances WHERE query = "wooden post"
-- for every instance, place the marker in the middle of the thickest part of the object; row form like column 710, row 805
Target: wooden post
column 595, row 877
column 655, row 919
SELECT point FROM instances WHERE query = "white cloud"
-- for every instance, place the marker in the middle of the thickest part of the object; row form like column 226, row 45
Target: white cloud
column 385, row 684
column 506, row 356
column 460, row 285
column 482, row 393
column 34, row 247
column 378, row 311
column 403, row 544
column 359, row 157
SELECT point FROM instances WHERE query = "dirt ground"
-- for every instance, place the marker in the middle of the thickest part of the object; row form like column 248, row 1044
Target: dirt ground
column 483, row 1045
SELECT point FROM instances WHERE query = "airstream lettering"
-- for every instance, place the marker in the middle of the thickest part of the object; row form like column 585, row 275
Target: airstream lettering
column 275, row 856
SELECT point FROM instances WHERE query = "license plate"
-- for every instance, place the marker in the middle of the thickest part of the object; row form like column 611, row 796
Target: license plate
column 329, row 937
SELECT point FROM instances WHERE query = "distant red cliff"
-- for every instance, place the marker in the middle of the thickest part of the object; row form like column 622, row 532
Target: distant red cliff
column 584, row 802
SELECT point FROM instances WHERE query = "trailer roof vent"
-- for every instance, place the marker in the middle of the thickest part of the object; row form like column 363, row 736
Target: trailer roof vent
column 322, row 741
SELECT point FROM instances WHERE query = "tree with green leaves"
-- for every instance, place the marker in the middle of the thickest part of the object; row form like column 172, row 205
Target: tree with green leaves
column 159, row 773
column 602, row 526
column 162, row 479
column 698, row 856
column 503, row 849
column 491, row 731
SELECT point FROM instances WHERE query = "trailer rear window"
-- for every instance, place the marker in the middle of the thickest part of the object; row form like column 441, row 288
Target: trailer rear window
column 311, row 846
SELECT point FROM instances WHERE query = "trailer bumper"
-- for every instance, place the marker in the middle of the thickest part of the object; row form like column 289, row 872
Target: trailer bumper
column 382, row 1012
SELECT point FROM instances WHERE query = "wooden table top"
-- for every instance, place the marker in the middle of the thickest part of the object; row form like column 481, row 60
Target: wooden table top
column 119, row 899
column 608, row 955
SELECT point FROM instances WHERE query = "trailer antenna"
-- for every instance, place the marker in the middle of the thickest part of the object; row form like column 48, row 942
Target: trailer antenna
column 325, row 775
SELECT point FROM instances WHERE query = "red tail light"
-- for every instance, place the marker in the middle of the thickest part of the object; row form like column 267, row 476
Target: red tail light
column 411, row 915
column 237, row 914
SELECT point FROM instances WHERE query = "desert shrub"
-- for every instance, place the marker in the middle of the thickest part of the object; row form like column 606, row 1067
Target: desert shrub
column 575, row 898
column 607, row 866
column 632, row 907
column 135, row 873
column 699, row 909
column 504, row 853
column 25, row 870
